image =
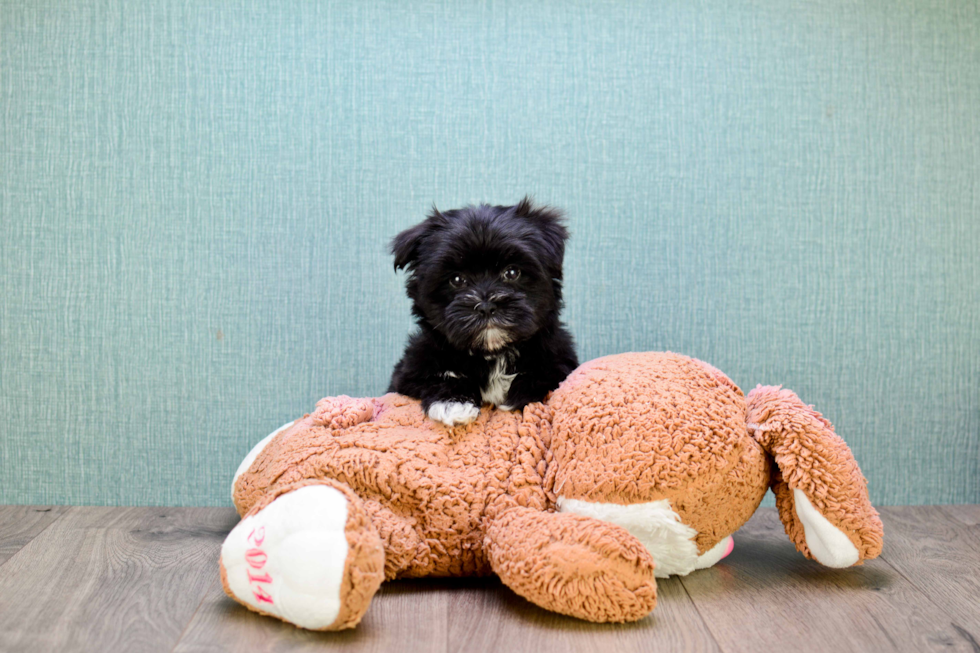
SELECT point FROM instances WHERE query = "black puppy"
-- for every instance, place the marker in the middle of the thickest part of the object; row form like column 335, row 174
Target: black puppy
column 485, row 284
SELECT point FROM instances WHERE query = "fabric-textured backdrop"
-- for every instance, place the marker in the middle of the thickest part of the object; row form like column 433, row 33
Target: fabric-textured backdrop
column 196, row 199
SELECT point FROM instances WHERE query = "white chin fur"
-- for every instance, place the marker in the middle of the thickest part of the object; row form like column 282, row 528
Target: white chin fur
column 452, row 413
column 493, row 338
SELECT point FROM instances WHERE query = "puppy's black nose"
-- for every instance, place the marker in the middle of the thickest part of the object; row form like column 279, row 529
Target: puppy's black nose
column 486, row 309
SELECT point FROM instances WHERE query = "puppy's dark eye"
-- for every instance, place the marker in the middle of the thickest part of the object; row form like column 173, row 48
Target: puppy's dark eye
column 512, row 273
column 457, row 281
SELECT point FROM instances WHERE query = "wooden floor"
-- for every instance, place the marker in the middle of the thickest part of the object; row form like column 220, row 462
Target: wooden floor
column 146, row 579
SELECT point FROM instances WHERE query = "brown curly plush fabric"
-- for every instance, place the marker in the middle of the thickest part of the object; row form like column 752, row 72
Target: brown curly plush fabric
column 811, row 457
column 573, row 564
column 427, row 487
column 672, row 428
column 621, row 430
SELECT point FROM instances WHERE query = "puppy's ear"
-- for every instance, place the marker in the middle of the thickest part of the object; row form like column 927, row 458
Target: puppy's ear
column 405, row 246
column 551, row 226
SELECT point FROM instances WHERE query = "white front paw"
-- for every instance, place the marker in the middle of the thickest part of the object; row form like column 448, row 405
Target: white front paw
column 452, row 413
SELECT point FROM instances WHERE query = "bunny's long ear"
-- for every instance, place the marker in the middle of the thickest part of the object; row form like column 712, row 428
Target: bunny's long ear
column 821, row 494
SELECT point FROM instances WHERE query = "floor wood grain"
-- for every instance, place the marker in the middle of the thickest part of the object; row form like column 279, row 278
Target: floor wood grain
column 21, row 524
column 405, row 616
column 110, row 579
column 937, row 550
column 966, row 515
column 487, row 617
column 766, row 596
column 145, row 579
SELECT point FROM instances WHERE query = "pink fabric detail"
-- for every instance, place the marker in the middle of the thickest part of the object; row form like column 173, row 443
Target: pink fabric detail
column 342, row 412
column 728, row 551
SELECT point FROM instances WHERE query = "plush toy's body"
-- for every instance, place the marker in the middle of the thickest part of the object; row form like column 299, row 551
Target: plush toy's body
column 638, row 465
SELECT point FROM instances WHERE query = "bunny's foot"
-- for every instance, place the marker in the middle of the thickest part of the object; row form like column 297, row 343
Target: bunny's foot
column 308, row 555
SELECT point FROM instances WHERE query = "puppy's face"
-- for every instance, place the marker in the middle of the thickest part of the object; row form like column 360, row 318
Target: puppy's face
column 487, row 276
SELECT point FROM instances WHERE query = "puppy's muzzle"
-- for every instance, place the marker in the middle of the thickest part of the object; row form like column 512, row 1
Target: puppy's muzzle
column 486, row 308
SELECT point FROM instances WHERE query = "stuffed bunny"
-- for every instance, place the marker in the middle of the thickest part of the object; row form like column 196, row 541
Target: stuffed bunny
column 639, row 465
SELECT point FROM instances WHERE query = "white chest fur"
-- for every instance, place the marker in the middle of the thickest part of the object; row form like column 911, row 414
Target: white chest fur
column 498, row 384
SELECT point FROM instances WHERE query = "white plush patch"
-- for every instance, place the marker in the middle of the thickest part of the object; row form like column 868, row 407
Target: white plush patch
column 710, row 557
column 288, row 559
column 254, row 453
column 450, row 375
column 828, row 544
column 498, row 384
column 654, row 524
column 452, row 413
column 494, row 338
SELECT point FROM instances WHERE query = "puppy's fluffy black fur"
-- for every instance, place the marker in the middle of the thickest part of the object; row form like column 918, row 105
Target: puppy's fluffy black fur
column 486, row 290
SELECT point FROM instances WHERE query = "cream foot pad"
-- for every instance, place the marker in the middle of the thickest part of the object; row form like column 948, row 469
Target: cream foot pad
column 288, row 559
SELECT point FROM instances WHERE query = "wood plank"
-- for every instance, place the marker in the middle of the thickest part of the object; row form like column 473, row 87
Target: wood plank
column 483, row 615
column 937, row 549
column 766, row 596
column 21, row 524
column 112, row 579
column 404, row 616
column 968, row 515
column 133, row 579
column 487, row 616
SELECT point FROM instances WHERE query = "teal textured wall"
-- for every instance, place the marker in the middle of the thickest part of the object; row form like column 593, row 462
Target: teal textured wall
column 196, row 198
